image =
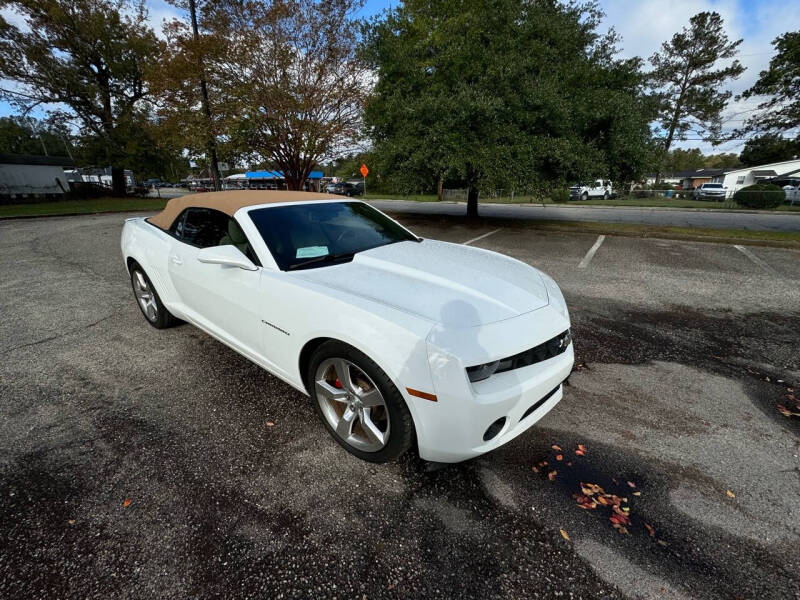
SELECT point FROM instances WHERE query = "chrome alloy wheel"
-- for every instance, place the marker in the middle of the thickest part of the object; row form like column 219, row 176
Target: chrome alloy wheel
column 352, row 404
column 145, row 296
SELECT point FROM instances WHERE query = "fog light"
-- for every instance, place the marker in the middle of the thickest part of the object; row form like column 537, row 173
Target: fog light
column 494, row 429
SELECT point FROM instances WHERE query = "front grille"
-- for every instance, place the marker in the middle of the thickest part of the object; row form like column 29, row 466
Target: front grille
column 547, row 350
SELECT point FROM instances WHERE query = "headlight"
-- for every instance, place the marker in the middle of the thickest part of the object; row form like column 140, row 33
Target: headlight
column 544, row 351
column 481, row 372
column 555, row 296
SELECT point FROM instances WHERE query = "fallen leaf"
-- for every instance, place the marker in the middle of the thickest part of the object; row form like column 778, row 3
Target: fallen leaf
column 637, row 493
column 580, row 452
column 582, row 447
column 650, row 529
column 535, row 469
column 662, row 543
column 630, row 483
column 730, row 494
column 569, row 464
column 559, row 457
column 556, row 447
column 270, row 424
column 564, row 534
column 615, row 481
column 126, row 503
column 71, row 521
column 552, row 475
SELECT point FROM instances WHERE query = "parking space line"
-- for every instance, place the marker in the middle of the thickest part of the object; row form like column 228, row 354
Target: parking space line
column 756, row 260
column 590, row 254
column 480, row 237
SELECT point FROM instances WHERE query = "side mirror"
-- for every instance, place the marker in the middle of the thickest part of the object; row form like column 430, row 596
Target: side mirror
column 229, row 256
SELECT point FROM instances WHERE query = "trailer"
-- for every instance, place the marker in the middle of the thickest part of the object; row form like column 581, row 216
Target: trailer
column 23, row 176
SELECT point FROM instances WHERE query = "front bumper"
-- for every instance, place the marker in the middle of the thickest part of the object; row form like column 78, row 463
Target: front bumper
column 453, row 428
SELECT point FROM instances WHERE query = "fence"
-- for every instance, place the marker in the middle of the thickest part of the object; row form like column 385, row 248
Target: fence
column 663, row 197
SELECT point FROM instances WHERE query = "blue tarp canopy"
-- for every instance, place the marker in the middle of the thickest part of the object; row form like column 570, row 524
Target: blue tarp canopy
column 277, row 175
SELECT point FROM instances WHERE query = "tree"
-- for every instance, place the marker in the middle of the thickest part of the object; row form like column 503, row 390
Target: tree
column 781, row 82
column 681, row 159
column 686, row 82
column 508, row 94
column 189, row 106
column 769, row 148
column 722, row 161
column 19, row 135
column 84, row 60
column 293, row 83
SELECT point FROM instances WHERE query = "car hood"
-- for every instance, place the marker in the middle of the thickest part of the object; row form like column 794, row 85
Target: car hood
column 451, row 284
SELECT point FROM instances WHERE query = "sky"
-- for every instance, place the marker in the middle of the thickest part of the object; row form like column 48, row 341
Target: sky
column 643, row 26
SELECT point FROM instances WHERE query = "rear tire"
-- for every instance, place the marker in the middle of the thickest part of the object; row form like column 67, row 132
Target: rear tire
column 148, row 300
column 337, row 399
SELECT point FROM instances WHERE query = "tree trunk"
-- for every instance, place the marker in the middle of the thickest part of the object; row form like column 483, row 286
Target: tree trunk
column 472, row 203
column 118, row 181
column 211, row 141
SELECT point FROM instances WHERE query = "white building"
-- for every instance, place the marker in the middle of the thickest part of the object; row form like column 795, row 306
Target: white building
column 737, row 179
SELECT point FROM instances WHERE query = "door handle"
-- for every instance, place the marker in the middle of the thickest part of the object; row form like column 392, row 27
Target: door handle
column 176, row 260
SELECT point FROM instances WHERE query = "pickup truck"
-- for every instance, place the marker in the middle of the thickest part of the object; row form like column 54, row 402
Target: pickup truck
column 600, row 188
column 710, row 191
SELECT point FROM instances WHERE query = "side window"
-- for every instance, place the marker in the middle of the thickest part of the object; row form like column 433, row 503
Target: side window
column 177, row 226
column 203, row 227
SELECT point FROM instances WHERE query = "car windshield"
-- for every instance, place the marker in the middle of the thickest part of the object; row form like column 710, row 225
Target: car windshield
column 315, row 234
column 712, row 185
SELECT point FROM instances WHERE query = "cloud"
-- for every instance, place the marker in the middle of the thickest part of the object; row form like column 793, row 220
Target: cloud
column 645, row 24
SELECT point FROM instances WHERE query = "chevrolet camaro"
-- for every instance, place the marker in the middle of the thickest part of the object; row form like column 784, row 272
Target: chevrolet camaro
column 399, row 341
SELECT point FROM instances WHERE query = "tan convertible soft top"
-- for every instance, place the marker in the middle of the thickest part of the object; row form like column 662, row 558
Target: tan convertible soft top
column 229, row 202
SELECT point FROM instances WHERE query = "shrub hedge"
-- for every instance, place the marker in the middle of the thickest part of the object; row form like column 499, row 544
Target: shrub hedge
column 760, row 195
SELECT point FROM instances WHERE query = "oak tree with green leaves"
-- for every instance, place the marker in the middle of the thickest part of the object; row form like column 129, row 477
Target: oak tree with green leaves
column 688, row 75
column 507, row 94
column 84, row 62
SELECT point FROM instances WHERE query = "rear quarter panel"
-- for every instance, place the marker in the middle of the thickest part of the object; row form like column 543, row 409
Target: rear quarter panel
column 150, row 246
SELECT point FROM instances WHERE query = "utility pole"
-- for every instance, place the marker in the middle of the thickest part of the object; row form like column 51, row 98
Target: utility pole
column 212, row 142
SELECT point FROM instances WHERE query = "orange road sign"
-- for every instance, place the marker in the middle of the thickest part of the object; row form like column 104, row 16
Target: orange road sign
column 364, row 171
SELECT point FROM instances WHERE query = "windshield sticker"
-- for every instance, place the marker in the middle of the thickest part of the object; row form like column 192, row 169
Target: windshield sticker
column 311, row 251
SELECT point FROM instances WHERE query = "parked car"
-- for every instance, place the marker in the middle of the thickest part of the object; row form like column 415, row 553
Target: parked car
column 345, row 188
column 710, row 191
column 600, row 188
column 397, row 339
column 792, row 193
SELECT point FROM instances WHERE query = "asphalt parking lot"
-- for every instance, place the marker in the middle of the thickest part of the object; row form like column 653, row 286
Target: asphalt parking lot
column 144, row 463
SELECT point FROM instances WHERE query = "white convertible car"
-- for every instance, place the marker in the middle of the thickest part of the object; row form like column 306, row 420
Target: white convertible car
column 399, row 340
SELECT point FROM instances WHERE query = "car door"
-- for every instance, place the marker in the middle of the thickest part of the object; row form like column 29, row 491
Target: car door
column 224, row 300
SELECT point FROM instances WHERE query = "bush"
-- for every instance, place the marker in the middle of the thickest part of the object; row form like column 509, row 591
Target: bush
column 760, row 195
column 559, row 195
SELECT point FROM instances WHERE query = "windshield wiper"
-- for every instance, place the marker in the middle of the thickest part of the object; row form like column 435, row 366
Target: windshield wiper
column 322, row 259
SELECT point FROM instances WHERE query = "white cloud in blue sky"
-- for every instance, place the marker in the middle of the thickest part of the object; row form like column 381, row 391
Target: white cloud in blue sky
column 644, row 25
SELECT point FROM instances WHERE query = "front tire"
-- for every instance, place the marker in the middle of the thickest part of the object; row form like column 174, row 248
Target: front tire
column 358, row 403
column 148, row 300
column 584, row 197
